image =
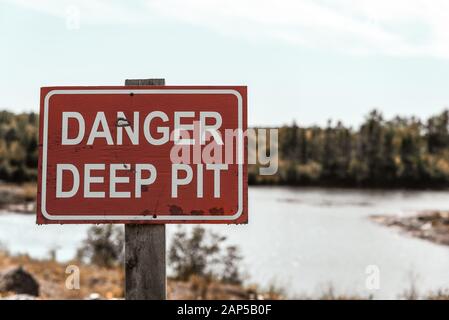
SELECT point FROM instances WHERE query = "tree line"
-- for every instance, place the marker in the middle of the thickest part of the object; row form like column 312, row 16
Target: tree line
column 18, row 146
column 399, row 152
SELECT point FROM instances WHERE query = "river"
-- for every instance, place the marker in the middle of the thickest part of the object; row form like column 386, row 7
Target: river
column 301, row 239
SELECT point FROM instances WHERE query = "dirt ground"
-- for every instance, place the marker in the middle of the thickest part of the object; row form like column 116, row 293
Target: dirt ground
column 108, row 283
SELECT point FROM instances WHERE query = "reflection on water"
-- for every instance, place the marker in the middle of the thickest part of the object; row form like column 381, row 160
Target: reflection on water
column 302, row 239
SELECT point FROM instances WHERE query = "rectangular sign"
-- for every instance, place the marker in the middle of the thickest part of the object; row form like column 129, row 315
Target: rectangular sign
column 143, row 154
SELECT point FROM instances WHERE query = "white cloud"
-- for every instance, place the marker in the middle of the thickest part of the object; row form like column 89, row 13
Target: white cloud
column 390, row 27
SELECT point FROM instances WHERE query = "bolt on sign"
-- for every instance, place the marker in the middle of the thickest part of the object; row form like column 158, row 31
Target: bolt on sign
column 143, row 154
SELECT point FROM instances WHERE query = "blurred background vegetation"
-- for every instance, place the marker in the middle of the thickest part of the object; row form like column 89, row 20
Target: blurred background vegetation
column 401, row 152
column 18, row 146
column 196, row 252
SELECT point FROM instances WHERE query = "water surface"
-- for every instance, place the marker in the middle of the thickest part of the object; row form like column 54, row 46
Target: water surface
column 302, row 239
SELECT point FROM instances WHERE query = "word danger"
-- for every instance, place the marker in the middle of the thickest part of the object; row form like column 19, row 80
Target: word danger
column 114, row 176
column 100, row 128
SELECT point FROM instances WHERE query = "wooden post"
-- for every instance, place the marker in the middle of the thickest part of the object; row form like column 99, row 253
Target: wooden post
column 145, row 248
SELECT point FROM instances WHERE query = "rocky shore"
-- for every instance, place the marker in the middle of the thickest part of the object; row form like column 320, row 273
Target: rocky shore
column 18, row 198
column 428, row 225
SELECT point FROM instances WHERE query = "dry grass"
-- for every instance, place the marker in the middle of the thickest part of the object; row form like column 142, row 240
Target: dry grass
column 109, row 282
column 52, row 276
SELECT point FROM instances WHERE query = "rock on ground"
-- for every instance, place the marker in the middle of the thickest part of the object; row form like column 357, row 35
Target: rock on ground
column 18, row 280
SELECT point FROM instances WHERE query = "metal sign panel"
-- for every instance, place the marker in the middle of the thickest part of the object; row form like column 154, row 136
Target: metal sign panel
column 143, row 154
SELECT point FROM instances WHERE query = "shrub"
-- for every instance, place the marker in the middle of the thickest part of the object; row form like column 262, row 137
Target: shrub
column 231, row 272
column 201, row 253
column 104, row 246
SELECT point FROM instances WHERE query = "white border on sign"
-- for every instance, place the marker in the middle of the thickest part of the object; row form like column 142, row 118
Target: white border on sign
column 166, row 216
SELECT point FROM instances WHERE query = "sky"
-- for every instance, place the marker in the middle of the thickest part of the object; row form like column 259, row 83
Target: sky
column 302, row 60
